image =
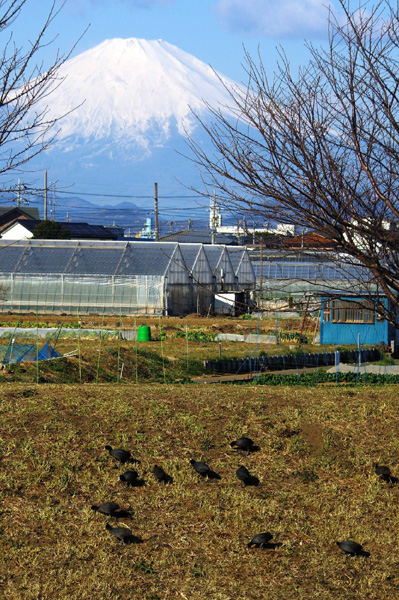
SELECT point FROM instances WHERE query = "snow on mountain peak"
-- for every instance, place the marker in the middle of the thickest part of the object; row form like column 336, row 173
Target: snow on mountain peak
column 128, row 89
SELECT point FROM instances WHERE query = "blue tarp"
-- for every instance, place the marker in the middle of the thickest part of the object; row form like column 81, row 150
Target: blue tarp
column 15, row 353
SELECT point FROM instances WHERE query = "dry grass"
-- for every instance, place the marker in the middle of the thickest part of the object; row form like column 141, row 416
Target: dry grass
column 174, row 352
column 317, row 448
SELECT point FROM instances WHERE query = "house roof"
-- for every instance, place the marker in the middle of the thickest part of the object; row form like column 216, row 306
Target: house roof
column 311, row 239
column 76, row 230
column 9, row 214
column 30, row 211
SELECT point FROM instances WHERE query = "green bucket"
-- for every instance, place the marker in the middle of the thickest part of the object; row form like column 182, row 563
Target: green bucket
column 144, row 333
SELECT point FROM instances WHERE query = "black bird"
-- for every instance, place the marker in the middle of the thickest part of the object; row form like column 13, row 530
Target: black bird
column 159, row 474
column 200, row 467
column 129, row 477
column 107, row 508
column 382, row 470
column 124, row 534
column 260, row 540
column 352, row 548
column 243, row 443
column 123, row 456
column 245, row 477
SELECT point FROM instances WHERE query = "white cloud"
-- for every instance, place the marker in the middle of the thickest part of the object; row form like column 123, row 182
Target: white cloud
column 275, row 18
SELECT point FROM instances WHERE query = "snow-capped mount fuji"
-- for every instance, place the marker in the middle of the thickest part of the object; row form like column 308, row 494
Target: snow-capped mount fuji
column 124, row 88
column 127, row 106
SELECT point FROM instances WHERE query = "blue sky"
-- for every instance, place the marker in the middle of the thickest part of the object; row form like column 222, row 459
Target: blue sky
column 212, row 30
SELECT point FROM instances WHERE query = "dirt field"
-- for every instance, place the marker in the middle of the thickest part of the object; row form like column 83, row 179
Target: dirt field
column 317, row 448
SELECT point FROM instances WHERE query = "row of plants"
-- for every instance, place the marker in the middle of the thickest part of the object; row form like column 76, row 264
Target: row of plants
column 195, row 335
column 322, row 377
column 41, row 325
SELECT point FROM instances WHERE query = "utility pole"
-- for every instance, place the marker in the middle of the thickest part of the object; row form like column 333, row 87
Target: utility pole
column 156, row 212
column 239, row 232
column 20, row 200
column 260, row 270
column 19, row 193
column 45, row 195
column 53, row 211
column 213, row 219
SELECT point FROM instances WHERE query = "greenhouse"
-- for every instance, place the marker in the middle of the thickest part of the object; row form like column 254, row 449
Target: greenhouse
column 97, row 277
column 281, row 279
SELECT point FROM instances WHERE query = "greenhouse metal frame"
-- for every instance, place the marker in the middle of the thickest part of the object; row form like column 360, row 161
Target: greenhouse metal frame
column 104, row 277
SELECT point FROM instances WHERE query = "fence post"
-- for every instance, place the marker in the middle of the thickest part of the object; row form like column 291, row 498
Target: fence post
column 337, row 361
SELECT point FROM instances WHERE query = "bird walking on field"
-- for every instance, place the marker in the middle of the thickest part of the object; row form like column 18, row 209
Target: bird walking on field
column 159, row 474
column 243, row 443
column 124, row 534
column 260, row 540
column 352, row 548
column 106, row 508
column 382, row 470
column 201, row 467
column 245, row 477
column 129, row 477
column 122, row 456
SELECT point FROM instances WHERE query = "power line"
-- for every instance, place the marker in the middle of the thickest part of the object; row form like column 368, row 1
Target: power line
column 141, row 197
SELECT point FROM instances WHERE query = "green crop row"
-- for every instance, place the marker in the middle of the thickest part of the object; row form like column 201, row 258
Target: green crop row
column 322, row 377
column 34, row 324
column 196, row 335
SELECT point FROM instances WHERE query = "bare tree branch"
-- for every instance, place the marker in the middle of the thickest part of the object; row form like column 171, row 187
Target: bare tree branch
column 320, row 149
column 24, row 81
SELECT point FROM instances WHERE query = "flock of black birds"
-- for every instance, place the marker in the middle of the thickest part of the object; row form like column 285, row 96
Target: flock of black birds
column 260, row 540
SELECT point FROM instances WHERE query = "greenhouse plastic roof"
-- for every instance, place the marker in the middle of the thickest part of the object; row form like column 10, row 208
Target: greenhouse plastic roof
column 235, row 257
column 98, row 257
column 310, row 272
column 190, row 253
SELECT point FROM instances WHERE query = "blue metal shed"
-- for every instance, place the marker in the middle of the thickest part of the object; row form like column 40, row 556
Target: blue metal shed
column 346, row 319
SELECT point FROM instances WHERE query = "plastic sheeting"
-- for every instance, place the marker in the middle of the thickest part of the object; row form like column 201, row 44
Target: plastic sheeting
column 15, row 353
